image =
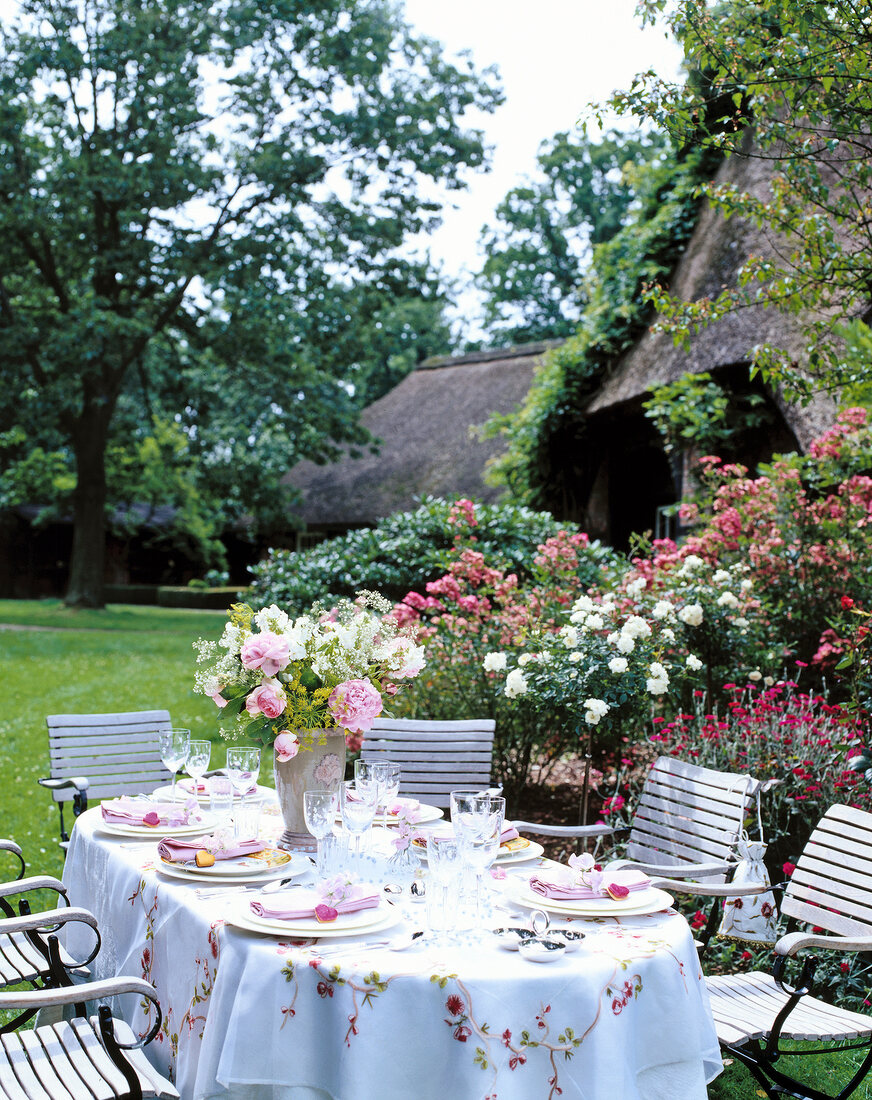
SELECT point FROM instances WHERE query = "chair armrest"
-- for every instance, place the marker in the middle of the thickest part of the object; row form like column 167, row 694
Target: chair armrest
column 12, row 847
column 564, row 830
column 75, row 994
column 675, row 870
column 797, row 941
column 714, row 890
column 80, row 782
column 50, row 918
column 35, row 882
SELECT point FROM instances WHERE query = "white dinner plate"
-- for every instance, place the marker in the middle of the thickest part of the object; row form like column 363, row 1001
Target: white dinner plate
column 165, row 794
column 519, row 855
column 206, row 823
column 296, row 866
column 426, row 814
column 346, row 924
column 650, row 900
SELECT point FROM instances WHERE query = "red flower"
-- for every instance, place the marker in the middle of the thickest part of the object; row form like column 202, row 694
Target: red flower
column 507, row 1037
column 847, row 603
column 462, row 1033
column 699, row 919
column 455, row 1005
column 788, row 868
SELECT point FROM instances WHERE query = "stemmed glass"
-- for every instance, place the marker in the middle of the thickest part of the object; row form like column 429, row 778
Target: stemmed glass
column 387, row 775
column 444, row 860
column 174, row 746
column 319, row 811
column 477, row 818
column 198, row 761
column 359, row 803
column 243, row 766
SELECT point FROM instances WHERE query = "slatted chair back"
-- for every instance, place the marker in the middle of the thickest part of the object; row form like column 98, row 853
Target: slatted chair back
column 119, row 754
column 831, row 887
column 435, row 757
column 689, row 815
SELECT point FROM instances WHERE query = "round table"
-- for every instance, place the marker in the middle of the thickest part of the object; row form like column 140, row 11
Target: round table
column 262, row 1017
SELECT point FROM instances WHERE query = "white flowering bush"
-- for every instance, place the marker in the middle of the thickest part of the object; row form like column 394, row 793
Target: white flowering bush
column 606, row 665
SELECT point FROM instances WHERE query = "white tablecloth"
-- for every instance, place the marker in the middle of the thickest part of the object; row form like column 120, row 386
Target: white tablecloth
column 256, row 1017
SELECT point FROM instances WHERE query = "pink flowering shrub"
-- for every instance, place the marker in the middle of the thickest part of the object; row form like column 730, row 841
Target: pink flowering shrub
column 475, row 609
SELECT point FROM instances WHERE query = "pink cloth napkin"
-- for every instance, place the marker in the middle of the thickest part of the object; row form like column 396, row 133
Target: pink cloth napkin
column 509, row 833
column 201, row 787
column 184, row 851
column 564, row 889
column 301, row 904
column 129, row 811
column 397, row 806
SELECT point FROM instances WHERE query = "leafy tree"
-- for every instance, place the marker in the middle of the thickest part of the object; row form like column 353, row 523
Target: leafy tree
column 195, row 201
column 533, row 277
column 788, row 81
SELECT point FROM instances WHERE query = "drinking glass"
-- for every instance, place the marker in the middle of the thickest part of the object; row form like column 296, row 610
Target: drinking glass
column 366, row 777
column 444, row 862
column 246, row 818
column 358, row 808
column 319, row 811
column 221, row 799
column 198, row 761
column 477, row 818
column 243, row 766
column 387, row 776
column 174, row 745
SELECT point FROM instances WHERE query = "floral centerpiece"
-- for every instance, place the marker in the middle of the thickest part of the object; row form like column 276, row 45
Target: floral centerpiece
column 312, row 683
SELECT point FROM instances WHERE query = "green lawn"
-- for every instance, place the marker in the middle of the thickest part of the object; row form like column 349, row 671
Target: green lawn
column 55, row 660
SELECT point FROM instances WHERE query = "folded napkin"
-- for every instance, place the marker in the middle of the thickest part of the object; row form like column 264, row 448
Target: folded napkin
column 200, row 787
column 184, row 851
column 140, row 811
column 392, row 808
column 509, row 833
column 301, row 904
column 615, row 884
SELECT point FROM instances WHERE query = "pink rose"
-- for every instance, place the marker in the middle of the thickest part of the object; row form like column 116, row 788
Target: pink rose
column 286, row 746
column 265, row 700
column 218, row 699
column 267, row 651
column 355, row 705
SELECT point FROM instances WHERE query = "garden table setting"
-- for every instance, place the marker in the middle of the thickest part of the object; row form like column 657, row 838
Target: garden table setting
column 380, row 981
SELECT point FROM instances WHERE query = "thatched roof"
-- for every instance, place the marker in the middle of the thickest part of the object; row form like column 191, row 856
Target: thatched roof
column 717, row 249
column 428, row 441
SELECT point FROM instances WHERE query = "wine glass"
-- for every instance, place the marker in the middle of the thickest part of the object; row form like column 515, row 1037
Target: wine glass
column 444, row 860
column 367, row 777
column 174, row 746
column 387, row 775
column 243, row 766
column 198, row 761
column 359, row 804
column 319, row 811
column 478, row 818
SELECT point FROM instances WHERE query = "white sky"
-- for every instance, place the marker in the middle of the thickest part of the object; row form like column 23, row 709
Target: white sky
column 554, row 57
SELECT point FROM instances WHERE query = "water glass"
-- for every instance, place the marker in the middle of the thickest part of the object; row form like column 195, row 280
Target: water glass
column 174, row 746
column 387, row 775
column 319, row 811
column 358, row 808
column 243, row 767
column 478, row 824
column 366, row 777
column 246, row 818
column 221, row 798
column 445, row 864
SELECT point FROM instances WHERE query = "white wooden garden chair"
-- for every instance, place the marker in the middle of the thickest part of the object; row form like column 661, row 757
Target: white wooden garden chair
column 83, row 1058
column 103, row 756
column 435, row 757
column 830, row 891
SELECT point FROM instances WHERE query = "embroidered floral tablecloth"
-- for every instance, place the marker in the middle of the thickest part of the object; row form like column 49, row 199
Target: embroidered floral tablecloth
column 254, row 1017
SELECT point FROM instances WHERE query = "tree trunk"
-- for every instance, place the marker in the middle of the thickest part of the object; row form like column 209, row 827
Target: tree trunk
column 85, row 586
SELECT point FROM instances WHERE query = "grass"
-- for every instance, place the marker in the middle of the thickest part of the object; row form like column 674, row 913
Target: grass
column 135, row 658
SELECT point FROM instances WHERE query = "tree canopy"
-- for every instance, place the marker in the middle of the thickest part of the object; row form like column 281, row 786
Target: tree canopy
column 546, row 228
column 799, row 74
column 201, row 204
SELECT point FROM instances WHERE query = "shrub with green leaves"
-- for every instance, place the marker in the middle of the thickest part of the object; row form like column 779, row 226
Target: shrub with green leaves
column 408, row 549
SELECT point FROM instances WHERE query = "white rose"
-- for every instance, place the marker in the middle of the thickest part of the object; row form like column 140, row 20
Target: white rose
column 768, row 681
column 721, row 576
column 657, row 687
column 691, row 614
column 494, row 662
column 662, row 609
column 636, row 627
column 612, row 638
column 755, row 675
column 625, row 644
column 516, row 684
column 741, row 623
column 690, row 563
column 727, row 599
column 575, row 657
column 637, row 587
column 693, row 663
column 618, row 665
column 668, row 633
column 569, row 636
column 746, row 584
column 525, row 659
column 594, row 710
column 658, row 672
column 583, row 603
column 594, row 622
